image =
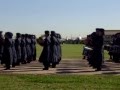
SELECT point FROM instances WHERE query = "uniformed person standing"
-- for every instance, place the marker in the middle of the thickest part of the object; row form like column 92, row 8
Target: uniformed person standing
column 32, row 46
column 97, row 42
column 35, row 53
column 18, row 48
column 116, row 42
column 54, row 49
column 15, row 60
column 23, row 50
column 28, row 48
column 59, row 50
column 7, row 52
column 46, row 53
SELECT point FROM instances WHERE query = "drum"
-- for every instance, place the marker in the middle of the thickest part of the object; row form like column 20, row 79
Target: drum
column 40, row 40
column 115, row 49
column 87, row 50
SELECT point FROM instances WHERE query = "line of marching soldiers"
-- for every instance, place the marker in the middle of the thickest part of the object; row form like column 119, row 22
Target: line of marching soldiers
column 93, row 49
column 114, row 48
column 51, row 54
column 20, row 50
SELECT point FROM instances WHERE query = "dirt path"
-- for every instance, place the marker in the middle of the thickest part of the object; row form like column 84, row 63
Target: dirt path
column 79, row 67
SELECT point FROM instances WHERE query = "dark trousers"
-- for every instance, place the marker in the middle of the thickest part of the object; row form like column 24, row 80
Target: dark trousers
column 7, row 64
column 97, row 63
column 46, row 65
column 18, row 62
column 116, row 57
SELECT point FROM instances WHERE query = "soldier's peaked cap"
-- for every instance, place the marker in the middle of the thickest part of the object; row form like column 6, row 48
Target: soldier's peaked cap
column 100, row 29
column 47, row 32
column 1, row 32
column 18, row 34
column 9, row 34
column 53, row 33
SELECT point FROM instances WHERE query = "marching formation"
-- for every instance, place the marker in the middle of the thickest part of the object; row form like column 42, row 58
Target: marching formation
column 51, row 54
column 114, row 48
column 20, row 50
column 94, row 48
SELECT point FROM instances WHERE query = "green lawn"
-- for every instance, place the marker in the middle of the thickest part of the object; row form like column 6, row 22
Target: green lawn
column 70, row 51
column 59, row 82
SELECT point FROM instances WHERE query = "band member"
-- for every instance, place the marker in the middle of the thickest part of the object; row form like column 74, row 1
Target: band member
column 59, row 50
column 18, row 48
column 28, row 48
column 7, row 52
column 35, row 52
column 97, row 42
column 88, row 44
column 54, row 49
column 116, row 45
column 23, row 50
column 33, row 47
column 1, row 46
column 46, row 53
column 15, row 60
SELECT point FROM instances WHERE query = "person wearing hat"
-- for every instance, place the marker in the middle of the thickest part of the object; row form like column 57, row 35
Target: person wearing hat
column 59, row 49
column 14, row 61
column 46, row 53
column 33, row 46
column 116, row 45
column 97, row 44
column 23, row 50
column 28, row 48
column 1, row 46
column 54, row 49
column 8, row 52
column 35, row 52
column 18, row 48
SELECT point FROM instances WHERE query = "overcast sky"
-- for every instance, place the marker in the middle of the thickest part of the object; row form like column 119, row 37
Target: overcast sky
column 68, row 17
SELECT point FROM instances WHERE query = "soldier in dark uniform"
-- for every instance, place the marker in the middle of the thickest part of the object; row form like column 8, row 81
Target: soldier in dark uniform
column 35, row 53
column 45, row 55
column 54, row 49
column 33, row 47
column 1, row 46
column 116, row 41
column 59, row 50
column 23, row 50
column 28, row 48
column 18, row 48
column 7, row 52
column 97, row 42
column 111, row 44
column 14, row 61
column 87, row 43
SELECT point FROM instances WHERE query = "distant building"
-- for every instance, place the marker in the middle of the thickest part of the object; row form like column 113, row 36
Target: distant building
column 109, row 34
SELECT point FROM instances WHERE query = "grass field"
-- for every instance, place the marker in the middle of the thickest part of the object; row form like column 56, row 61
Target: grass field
column 71, row 51
column 59, row 82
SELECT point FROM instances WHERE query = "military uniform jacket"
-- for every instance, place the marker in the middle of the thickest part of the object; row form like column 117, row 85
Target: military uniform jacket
column 45, row 55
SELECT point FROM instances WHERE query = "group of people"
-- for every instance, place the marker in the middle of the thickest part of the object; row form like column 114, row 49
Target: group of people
column 20, row 50
column 93, row 49
column 114, row 48
column 51, row 54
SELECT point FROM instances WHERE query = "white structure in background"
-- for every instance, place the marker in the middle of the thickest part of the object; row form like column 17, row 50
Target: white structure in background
column 80, row 38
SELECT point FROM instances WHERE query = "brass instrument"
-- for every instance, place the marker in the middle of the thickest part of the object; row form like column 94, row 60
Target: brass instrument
column 40, row 40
